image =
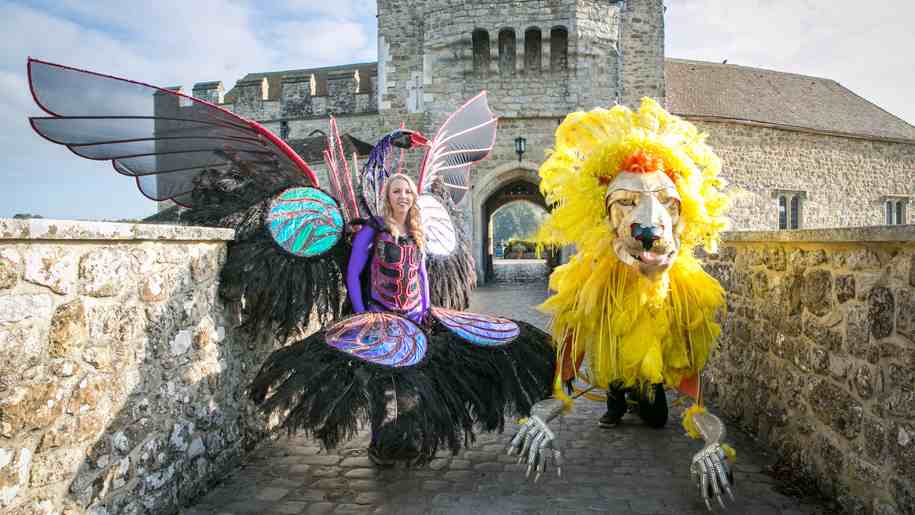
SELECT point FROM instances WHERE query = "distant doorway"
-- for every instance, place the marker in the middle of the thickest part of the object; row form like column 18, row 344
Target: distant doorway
column 510, row 214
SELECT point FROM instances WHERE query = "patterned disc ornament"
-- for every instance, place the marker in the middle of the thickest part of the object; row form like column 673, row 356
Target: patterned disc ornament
column 482, row 330
column 380, row 338
column 440, row 235
column 305, row 221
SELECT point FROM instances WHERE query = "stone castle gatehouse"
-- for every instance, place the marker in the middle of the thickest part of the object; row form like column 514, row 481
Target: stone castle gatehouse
column 804, row 152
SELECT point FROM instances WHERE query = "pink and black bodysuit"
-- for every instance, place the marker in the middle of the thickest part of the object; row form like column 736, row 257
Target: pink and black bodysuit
column 397, row 279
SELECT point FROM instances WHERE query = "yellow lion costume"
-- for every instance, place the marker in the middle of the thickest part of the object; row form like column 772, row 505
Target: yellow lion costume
column 632, row 329
column 635, row 192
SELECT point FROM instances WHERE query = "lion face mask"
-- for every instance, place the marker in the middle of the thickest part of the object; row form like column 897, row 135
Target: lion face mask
column 643, row 210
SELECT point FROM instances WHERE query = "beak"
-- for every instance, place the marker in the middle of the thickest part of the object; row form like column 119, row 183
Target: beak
column 418, row 139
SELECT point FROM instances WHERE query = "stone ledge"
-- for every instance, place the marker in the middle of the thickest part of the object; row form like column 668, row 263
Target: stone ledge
column 877, row 233
column 50, row 229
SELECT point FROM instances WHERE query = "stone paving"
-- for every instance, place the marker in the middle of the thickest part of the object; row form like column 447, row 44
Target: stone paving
column 627, row 470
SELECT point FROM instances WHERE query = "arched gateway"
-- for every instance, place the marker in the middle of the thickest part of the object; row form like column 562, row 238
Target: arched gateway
column 506, row 183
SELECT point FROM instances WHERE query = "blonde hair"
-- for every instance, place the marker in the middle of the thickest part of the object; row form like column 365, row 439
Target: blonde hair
column 414, row 226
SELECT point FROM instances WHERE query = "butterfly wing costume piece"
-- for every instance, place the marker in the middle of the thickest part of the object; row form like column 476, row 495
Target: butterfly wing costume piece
column 224, row 170
column 420, row 386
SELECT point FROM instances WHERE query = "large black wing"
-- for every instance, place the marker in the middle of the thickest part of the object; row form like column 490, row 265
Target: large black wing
column 167, row 141
column 226, row 170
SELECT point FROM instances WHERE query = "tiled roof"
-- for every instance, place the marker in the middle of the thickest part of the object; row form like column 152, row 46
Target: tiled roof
column 311, row 149
column 732, row 92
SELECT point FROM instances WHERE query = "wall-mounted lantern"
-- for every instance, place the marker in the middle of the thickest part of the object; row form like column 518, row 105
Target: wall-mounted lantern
column 520, row 146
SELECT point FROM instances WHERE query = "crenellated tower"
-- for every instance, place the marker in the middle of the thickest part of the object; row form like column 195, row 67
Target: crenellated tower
column 538, row 60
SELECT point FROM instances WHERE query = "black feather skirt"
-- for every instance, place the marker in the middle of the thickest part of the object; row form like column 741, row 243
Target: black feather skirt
column 441, row 401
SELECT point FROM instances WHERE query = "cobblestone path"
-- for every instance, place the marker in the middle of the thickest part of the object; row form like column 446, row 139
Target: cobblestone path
column 627, row 470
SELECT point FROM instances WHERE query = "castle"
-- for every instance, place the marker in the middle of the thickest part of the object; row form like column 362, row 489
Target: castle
column 803, row 151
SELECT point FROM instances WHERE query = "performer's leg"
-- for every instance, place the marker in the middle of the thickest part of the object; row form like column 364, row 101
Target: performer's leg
column 395, row 439
column 653, row 406
column 616, row 406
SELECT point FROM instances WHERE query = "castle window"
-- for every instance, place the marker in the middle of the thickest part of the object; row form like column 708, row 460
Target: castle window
column 532, row 50
column 507, row 51
column 559, row 49
column 895, row 211
column 790, row 208
column 480, row 51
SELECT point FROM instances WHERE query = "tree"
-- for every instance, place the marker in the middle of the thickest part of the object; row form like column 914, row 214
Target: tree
column 516, row 220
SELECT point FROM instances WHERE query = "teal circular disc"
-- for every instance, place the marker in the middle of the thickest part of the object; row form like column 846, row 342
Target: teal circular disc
column 305, row 221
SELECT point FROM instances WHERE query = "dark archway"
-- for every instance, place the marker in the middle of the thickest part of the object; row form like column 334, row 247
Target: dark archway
column 513, row 191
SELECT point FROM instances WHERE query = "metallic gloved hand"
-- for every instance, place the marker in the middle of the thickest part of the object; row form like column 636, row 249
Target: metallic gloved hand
column 534, row 442
column 709, row 467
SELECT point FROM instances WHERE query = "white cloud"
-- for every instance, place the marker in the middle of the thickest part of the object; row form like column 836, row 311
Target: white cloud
column 325, row 43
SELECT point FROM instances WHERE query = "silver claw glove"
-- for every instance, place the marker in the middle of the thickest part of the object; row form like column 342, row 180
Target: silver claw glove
column 534, row 442
column 709, row 467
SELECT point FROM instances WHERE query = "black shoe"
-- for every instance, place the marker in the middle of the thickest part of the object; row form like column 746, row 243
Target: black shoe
column 379, row 461
column 609, row 420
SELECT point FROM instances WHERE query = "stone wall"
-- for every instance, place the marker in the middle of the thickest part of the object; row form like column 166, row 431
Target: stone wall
column 515, row 271
column 817, row 357
column 844, row 181
column 120, row 375
column 642, row 52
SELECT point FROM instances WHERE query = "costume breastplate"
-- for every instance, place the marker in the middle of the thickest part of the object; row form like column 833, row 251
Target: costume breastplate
column 395, row 273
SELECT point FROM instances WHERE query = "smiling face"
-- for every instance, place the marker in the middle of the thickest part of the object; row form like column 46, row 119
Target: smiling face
column 400, row 197
column 644, row 212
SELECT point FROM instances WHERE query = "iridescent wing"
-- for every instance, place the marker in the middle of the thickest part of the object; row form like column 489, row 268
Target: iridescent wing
column 478, row 329
column 379, row 338
column 466, row 137
column 441, row 238
column 339, row 174
column 305, row 221
column 170, row 143
column 228, row 170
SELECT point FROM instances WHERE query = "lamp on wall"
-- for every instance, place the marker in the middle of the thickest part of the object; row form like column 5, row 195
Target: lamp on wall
column 520, row 146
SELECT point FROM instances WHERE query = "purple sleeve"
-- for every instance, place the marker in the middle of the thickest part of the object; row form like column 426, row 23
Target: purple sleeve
column 424, row 277
column 362, row 245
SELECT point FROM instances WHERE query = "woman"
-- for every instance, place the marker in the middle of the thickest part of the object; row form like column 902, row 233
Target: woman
column 393, row 249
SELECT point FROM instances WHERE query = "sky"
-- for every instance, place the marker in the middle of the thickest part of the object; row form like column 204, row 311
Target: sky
column 865, row 47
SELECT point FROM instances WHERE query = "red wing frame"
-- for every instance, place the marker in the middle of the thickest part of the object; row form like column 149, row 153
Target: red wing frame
column 466, row 137
column 339, row 174
column 162, row 138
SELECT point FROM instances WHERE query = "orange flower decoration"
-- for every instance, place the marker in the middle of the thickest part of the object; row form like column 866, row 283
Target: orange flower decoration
column 641, row 162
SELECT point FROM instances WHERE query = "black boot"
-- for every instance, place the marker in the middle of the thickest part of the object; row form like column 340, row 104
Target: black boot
column 616, row 407
column 653, row 406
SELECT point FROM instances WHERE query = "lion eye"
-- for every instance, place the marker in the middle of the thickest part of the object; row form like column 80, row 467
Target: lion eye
column 628, row 202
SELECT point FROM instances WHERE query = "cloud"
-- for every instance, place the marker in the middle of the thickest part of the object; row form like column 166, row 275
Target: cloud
column 163, row 43
column 325, row 43
column 841, row 40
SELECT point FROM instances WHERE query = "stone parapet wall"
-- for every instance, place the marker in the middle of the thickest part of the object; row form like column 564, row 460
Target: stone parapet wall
column 817, row 356
column 121, row 377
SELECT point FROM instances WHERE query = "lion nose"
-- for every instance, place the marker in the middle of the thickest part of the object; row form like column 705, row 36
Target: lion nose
column 647, row 234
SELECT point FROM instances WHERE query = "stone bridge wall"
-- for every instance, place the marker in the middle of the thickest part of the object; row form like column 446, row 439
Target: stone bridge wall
column 120, row 373
column 818, row 357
